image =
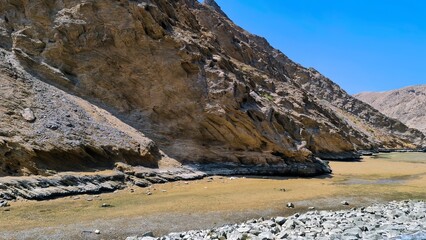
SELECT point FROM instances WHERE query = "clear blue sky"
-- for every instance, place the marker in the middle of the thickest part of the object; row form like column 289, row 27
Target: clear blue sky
column 363, row 45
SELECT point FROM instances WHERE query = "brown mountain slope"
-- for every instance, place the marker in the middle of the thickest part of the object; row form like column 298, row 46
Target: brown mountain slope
column 407, row 105
column 146, row 82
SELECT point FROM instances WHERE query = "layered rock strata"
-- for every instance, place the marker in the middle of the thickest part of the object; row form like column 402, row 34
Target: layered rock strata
column 160, row 83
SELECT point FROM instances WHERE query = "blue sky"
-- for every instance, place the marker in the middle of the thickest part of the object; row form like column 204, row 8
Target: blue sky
column 363, row 45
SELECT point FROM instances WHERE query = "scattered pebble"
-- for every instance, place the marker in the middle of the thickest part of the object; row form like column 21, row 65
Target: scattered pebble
column 290, row 205
column 4, row 203
column 345, row 203
column 97, row 231
column 28, row 115
column 148, row 234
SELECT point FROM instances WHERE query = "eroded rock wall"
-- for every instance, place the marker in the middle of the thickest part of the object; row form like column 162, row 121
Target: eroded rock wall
column 148, row 80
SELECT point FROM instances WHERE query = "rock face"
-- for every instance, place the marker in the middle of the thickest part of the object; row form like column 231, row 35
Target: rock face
column 161, row 82
column 407, row 105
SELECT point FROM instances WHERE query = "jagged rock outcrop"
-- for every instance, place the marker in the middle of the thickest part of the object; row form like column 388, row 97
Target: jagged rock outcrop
column 149, row 82
column 407, row 104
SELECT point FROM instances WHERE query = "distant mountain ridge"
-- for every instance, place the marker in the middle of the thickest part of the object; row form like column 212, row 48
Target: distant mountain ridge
column 408, row 104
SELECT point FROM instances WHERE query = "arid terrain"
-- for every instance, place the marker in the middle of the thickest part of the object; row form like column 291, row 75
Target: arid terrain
column 124, row 117
column 215, row 201
column 406, row 104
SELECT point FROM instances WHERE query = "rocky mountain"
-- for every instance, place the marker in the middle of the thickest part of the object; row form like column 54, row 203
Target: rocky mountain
column 160, row 83
column 407, row 105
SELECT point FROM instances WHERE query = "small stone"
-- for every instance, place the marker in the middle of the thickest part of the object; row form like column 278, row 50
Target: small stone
column 311, row 208
column 270, row 223
column 352, row 232
column 328, row 225
column 234, row 235
column 104, row 205
column 345, row 203
column 282, row 235
column 52, row 126
column 148, row 234
column 244, row 229
column 4, row 203
column 149, row 193
column 289, row 224
column 97, row 231
column 280, row 220
column 266, row 236
column 290, row 205
column 28, row 115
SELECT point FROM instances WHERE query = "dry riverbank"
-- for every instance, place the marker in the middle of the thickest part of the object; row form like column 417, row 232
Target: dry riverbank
column 207, row 203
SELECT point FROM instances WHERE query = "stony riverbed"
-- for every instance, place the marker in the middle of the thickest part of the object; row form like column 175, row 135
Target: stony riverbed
column 404, row 220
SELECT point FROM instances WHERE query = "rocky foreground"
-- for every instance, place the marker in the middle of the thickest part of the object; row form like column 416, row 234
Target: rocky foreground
column 395, row 220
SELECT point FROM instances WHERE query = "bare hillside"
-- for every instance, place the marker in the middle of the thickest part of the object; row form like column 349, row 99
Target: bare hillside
column 408, row 105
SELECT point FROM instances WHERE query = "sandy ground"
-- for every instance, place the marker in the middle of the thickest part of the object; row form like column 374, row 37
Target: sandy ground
column 208, row 203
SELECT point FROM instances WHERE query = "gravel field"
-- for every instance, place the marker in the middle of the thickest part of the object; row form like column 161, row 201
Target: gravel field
column 395, row 220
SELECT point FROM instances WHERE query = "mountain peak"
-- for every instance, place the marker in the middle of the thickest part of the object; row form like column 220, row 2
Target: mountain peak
column 215, row 6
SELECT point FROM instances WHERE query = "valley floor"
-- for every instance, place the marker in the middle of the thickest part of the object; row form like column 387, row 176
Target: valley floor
column 212, row 202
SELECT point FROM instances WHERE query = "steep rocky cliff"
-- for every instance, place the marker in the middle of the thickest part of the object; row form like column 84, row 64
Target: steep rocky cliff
column 407, row 104
column 88, row 83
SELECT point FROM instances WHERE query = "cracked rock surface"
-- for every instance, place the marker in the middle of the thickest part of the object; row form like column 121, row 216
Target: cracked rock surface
column 154, row 83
